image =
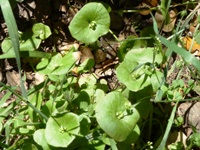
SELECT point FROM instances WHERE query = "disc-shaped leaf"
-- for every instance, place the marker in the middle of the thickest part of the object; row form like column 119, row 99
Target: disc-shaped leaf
column 91, row 22
column 61, row 129
column 43, row 31
column 131, row 139
column 39, row 138
column 136, row 69
column 116, row 116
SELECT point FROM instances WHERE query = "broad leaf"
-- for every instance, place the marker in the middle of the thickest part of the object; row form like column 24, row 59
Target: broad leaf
column 39, row 138
column 136, row 69
column 61, row 129
column 91, row 22
column 131, row 139
column 116, row 116
column 30, row 44
column 43, row 31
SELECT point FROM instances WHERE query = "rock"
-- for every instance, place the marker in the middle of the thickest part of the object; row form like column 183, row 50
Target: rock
column 99, row 56
column 86, row 53
column 191, row 114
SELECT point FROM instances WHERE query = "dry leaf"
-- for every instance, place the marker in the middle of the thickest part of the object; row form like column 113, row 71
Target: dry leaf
column 147, row 4
column 152, row 3
column 13, row 79
column 145, row 12
column 67, row 47
column 187, row 41
column 160, row 19
column 75, row 71
column 77, row 56
column 39, row 78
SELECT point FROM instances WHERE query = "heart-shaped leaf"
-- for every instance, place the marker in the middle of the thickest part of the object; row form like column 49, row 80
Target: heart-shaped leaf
column 61, row 129
column 116, row 116
column 91, row 22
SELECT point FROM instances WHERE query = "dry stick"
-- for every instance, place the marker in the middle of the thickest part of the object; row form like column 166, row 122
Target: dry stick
column 189, row 17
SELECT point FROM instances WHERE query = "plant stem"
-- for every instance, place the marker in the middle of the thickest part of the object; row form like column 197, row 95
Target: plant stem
column 24, row 100
column 139, row 10
column 114, row 36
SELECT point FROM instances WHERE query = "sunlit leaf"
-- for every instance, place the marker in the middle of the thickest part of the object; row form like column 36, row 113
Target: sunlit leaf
column 43, row 31
column 116, row 116
column 91, row 22
column 136, row 69
column 39, row 138
column 61, row 129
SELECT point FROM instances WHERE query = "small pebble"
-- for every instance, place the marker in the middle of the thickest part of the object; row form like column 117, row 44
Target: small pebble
column 99, row 56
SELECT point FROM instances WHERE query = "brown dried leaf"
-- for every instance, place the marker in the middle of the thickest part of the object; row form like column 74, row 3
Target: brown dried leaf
column 152, row 3
column 187, row 41
column 147, row 4
column 13, row 79
column 160, row 19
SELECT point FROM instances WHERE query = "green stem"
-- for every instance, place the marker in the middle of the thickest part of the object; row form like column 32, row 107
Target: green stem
column 16, row 145
column 114, row 36
column 24, row 100
column 139, row 10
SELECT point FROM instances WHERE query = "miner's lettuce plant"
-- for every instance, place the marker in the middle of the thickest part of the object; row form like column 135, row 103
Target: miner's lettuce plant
column 29, row 42
column 78, row 111
column 138, row 69
column 90, row 23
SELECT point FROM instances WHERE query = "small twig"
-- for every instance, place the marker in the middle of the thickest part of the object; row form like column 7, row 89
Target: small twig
column 189, row 17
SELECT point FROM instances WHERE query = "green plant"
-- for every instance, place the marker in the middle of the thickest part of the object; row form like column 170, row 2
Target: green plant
column 91, row 22
column 193, row 141
column 29, row 42
column 68, row 111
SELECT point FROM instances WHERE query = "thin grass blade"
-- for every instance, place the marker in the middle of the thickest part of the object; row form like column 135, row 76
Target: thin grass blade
column 13, row 32
column 167, row 131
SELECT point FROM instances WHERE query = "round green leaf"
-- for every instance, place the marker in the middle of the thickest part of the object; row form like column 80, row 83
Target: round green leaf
column 131, row 139
column 61, row 129
column 7, row 46
column 39, row 138
column 135, row 71
column 116, row 116
column 43, row 31
column 91, row 22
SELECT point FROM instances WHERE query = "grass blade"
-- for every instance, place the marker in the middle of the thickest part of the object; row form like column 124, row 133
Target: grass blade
column 187, row 56
column 13, row 32
column 169, row 125
column 27, row 54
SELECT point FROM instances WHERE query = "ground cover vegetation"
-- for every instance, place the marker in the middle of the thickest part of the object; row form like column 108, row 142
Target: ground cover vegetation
column 120, row 75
